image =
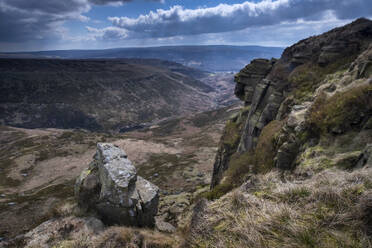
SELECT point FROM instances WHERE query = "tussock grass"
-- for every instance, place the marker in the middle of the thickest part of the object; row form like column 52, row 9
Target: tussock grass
column 330, row 209
column 342, row 111
column 242, row 165
column 118, row 237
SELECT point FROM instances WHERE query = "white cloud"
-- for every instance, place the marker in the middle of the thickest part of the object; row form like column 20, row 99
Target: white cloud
column 109, row 33
column 224, row 17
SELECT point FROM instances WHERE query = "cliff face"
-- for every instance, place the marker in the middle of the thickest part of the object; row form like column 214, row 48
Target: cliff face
column 294, row 167
column 276, row 91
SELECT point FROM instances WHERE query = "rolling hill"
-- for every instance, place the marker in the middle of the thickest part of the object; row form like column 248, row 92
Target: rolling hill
column 209, row 58
column 97, row 94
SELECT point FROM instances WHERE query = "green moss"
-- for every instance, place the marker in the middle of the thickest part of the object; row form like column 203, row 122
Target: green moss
column 326, row 163
column 242, row 164
column 259, row 161
column 231, row 134
column 265, row 151
column 216, row 192
column 342, row 111
column 305, row 79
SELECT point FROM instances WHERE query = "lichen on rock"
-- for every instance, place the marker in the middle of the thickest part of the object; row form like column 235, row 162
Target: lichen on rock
column 111, row 188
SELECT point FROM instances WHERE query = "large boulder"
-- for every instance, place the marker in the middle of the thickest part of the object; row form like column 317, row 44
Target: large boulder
column 111, row 188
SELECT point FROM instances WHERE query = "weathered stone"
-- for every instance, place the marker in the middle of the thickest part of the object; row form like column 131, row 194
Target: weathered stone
column 286, row 155
column 164, row 226
column 55, row 230
column 247, row 79
column 366, row 157
column 268, row 88
column 111, row 187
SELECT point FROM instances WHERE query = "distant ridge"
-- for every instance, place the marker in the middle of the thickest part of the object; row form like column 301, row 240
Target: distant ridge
column 209, row 57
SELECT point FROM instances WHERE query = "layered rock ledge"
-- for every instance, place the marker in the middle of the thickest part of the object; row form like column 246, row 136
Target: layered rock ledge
column 111, row 188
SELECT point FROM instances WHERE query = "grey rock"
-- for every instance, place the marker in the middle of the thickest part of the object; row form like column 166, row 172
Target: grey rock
column 111, row 187
column 61, row 229
column 247, row 79
column 266, row 86
column 286, row 155
column 366, row 157
column 164, row 226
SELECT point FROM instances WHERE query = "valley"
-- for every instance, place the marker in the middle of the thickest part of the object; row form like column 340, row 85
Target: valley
column 103, row 95
column 39, row 166
column 149, row 153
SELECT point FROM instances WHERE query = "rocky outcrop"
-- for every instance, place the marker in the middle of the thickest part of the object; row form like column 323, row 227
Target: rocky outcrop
column 322, row 50
column 365, row 158
column 285, row 90
column 111, row 188
column 248, row 78
column 228, row 145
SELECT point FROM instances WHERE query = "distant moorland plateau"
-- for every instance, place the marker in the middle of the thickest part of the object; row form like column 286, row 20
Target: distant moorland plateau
column 208, row 58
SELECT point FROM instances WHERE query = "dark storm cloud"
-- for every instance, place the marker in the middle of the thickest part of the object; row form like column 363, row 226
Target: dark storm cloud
column 223, row 18
column 25, row 20
column 22, row 20
column 104, row 2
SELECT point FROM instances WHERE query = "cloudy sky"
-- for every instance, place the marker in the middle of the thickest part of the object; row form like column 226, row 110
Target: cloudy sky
column 94, row 24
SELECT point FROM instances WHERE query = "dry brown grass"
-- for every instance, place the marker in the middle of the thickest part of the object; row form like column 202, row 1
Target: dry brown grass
column 122, row 237
column 117, row 237
column 277, row 211
column 341, row 111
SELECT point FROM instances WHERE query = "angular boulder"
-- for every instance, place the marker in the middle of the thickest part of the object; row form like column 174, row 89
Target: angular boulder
column 111, row 188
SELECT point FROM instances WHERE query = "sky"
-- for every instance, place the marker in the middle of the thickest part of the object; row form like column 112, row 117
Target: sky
column 32, row 25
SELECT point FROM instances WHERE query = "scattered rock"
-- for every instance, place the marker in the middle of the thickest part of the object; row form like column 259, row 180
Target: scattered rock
column 111, row 187
column 197, row 215
column 164, row 226
column 55, row 230
column 365, row 158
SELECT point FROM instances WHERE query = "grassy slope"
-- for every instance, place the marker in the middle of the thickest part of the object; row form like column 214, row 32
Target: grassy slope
column 96, row 94
column 325, row 199
column 39, row 166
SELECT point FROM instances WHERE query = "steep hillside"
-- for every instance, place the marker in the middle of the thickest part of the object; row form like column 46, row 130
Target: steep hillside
column 38, row 167
column 209, row 58
column 298, row 156
column 293, row 167
column 97, row 94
